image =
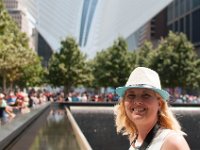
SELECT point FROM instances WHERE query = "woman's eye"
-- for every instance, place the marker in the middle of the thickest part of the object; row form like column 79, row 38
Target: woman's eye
column 146, row 96
column 131, row 96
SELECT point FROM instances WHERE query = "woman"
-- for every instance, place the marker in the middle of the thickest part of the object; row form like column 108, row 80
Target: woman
column 143, row 114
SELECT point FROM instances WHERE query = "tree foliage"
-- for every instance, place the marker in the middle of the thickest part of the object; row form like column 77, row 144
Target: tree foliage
column 176, row 62
column 69, row 67
column 33, row 74
column 174, row 59
column 113, row 65
column 15, row 54
column 144, row 54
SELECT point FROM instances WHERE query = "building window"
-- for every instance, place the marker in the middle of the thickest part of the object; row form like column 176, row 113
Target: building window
column 170, row 12
column 170, row 27
column 187, row 27
column 176, row 8
column 176, row 27
column 195, row 3
column 195, row 26
column 182, row 7
column 188, row 2
column 182, row 25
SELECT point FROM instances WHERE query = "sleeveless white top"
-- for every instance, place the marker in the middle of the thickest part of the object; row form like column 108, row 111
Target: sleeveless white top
column 159, row 139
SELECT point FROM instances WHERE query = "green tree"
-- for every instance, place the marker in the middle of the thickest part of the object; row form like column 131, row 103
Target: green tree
column 176, row 62
column 144, row 54
column 3, row 18
column 69, row 68
column 15, row 53
column 32, row 74
column 113, row 65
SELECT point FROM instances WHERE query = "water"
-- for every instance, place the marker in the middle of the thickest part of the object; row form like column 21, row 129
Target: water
column 50, row 131
column 55, row 134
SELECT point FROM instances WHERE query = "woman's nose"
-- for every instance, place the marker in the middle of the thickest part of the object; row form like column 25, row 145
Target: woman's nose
column 138, row 100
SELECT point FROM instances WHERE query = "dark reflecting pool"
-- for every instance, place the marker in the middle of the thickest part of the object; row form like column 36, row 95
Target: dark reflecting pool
column 56, row 133
column 50, row 131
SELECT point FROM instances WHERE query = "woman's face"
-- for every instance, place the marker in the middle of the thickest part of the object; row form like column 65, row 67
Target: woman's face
column 141, row 105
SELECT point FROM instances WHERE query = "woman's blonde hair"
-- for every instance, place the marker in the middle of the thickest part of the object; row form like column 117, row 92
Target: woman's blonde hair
column 124, row 125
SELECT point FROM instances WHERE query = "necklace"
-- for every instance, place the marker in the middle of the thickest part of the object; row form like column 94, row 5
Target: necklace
column 147, row 139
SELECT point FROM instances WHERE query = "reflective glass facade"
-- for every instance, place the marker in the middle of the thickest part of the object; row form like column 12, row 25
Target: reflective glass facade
column 184, row 16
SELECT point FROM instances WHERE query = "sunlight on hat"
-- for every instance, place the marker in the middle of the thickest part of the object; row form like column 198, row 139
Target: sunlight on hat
column 143, row 77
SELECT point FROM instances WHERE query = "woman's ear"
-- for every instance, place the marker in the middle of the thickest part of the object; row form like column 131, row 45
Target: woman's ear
column 159, row 103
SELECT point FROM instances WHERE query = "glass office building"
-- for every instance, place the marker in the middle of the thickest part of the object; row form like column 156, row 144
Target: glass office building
column 184, row 16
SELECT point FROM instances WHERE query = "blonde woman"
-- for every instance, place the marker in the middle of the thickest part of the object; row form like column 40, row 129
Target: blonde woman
column 143, row 114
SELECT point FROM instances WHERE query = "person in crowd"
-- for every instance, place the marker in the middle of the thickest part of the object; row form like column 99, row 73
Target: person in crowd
column 96, row 98
column 115, row 97
column 144, row 115
column 34, row 97
column 22, row 102
column 109, row 97
column 75, row 97
column 68, row 97
column 61, row 97
column 42, row 98
column 84, row 97
column 5, row 110
column 11, row 99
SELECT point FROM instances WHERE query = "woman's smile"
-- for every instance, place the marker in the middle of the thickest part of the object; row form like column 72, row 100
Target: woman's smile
column 138, row 110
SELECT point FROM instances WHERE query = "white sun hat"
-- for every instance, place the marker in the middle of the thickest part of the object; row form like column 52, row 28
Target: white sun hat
column 143, row 77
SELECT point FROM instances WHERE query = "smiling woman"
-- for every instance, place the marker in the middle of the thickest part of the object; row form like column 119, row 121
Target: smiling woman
column 143, row 114
column 143, row 107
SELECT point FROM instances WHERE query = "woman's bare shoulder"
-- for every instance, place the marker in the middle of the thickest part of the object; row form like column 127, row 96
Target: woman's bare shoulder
column 175, row 141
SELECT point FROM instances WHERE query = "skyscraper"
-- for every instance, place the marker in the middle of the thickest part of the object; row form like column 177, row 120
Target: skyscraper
column 16, row 11
column 184, row 16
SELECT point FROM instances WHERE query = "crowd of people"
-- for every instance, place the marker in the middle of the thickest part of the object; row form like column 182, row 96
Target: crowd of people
column 85, row 97
column 113, row 97
column 20, row 102
column 186, row 99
